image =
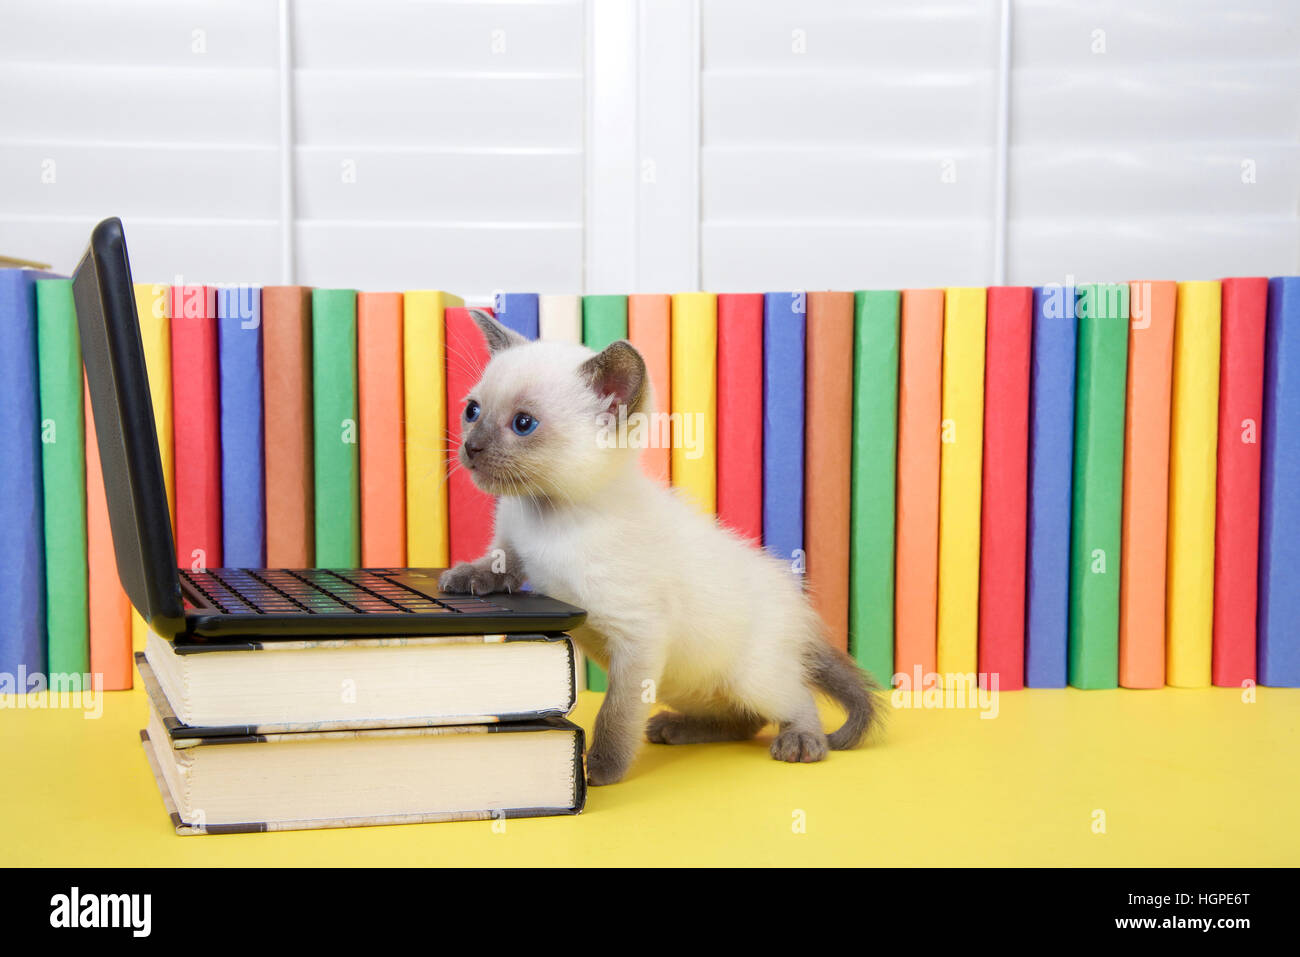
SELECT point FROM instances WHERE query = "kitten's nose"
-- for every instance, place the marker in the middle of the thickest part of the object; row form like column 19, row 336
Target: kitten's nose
column 472, row 448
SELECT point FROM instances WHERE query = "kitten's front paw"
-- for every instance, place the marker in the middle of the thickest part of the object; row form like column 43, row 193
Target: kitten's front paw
column 799, row 746
column 471, row 578
column 604, row 768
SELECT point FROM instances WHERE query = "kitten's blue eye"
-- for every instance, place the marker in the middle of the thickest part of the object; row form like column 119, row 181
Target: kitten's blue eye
column 524, row 424
column 471, row 410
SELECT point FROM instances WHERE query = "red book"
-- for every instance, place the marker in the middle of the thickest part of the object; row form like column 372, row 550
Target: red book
column 740, row 414
column 470, row 511
column 1005, row 481
column 1236, row 511
column 196, row 414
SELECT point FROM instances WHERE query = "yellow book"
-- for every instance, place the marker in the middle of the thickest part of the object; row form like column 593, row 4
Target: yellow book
column 1193, row 447
column 424, row 365
column 695, row 397
column 153, row 307
column 960, row 470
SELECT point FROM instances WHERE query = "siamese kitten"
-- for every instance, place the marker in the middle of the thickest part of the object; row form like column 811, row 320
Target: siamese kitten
column 679, row 610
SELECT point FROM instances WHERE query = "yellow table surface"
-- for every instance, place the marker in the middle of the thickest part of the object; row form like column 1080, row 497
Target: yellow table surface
column 1184, row 777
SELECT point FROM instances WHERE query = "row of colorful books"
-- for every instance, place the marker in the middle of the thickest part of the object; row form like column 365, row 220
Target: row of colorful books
column 1051, row 485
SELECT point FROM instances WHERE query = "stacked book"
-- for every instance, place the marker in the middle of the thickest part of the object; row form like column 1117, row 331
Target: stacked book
column 294, row 734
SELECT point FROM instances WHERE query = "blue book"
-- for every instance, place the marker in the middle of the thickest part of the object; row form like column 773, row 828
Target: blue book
column 1051, row 481
column 1279, row 507
column 243, row 476
column 22, row 511
column 784, row 315
column 517, row 311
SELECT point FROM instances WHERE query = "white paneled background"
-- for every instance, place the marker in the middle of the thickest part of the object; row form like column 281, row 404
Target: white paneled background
column 655, row 145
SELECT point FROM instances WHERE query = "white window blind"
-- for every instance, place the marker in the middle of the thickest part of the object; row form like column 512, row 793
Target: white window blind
column 655, row 145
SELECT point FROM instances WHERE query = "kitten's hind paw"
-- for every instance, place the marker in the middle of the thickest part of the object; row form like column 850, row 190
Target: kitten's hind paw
column 669, row 727
column 799, row 746
column 662, row 727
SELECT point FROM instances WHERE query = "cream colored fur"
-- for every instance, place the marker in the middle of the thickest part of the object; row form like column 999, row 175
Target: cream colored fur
column 680, row 611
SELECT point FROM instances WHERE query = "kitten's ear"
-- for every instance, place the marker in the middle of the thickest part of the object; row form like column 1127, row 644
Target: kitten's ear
column 498, row 336
column 618, row 372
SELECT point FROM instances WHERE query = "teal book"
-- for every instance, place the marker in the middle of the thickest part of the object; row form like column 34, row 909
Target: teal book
column 1096, row 515
column 873, row 477
column 334, row 384
column 63, row 468
column 604, row 320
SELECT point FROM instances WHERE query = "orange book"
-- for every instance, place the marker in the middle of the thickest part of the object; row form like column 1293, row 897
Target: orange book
column 828, row 455
column 649, row 329
column 920, row 411
column 287, row 397
column 1146, row 485
column 381, row 398
column 110, row 609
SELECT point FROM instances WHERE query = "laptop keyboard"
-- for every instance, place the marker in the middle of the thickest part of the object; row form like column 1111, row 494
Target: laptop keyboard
column 320, row 591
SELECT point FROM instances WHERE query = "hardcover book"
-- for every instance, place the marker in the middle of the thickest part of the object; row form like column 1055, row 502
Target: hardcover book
column 323, row 779
column 255, row 687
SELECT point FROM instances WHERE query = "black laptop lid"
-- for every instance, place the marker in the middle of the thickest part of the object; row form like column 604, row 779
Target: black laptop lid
column 128, row 442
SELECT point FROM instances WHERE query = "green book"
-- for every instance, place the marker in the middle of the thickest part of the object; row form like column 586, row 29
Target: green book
column 334, row 383
column 1097, row 511
column 604, row 320
column 63, row 464
column 875, row 457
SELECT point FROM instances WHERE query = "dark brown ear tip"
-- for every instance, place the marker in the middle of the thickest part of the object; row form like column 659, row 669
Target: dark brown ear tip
column 497, row 335
column 628, row 350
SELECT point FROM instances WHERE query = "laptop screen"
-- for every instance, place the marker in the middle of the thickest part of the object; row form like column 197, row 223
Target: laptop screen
column 118, row 382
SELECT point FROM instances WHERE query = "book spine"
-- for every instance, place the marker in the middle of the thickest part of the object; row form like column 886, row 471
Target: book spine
column 380, row 403
column 960, row 465
column 740, row 414
column 1236, row 524
column 604, row 320
column 334, row 383
column 22, row 585
column 153, row 307
column 920, row 411
column 874, row 480
column 290, row 457
column 1146, row 485
column 828, row 454
column 196, row 405
column 243, row 466
column 110, row 614
column 783, row 367
column 425, row 384
column 649, row 329
column 559, row 317
column 470, row 510
column 1051, row 482
column 63, row 467
column 517, row 311
column 694, row 384
column 1192, row 465
column 1098, row 488
column 1279, row 531
column 1005, row 485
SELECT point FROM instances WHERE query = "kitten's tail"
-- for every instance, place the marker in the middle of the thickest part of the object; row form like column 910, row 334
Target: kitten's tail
column 835, row 673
